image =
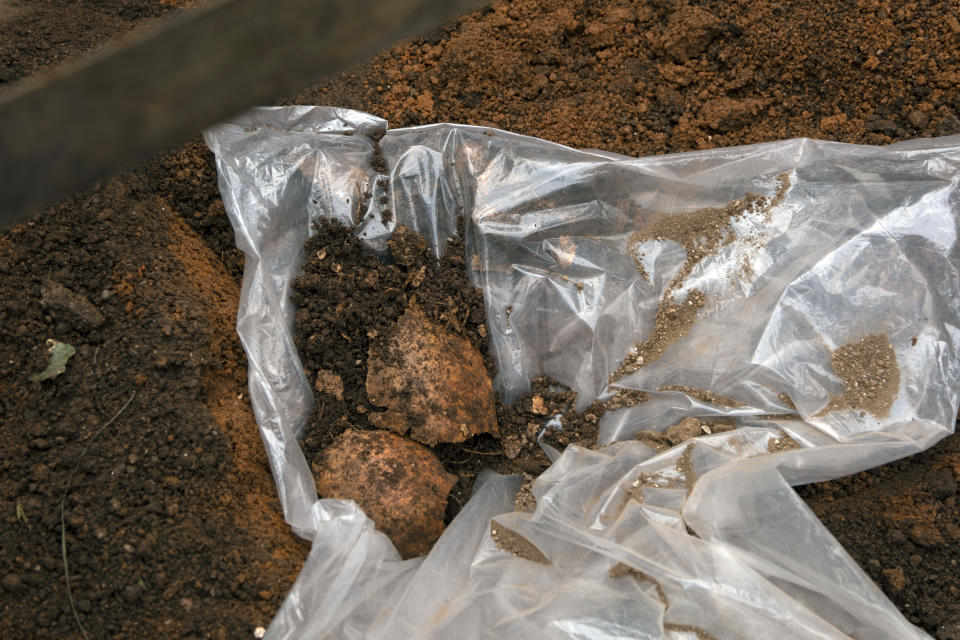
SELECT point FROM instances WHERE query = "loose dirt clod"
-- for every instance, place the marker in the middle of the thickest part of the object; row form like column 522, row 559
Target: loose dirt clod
column 537, row 405
column 686, row 429
column 400, row 484
column 79, row 311
column 432, row 383
column 688, row 32
column 329, row 383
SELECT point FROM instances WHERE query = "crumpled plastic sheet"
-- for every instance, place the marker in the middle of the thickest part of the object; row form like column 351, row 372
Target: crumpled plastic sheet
column 720, row 546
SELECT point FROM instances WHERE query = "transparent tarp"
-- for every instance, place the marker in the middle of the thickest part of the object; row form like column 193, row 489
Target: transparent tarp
column 704, row 540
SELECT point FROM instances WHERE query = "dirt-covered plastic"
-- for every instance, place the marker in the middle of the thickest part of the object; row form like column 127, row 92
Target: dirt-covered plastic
column 831, row 244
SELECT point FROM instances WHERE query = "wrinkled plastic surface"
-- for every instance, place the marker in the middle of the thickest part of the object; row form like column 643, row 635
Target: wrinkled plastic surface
column 865, row 241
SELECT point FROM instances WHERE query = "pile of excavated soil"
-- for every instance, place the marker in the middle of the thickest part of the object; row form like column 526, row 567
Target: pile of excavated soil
column 172, row 525
column 643, row 78
column 139, row 467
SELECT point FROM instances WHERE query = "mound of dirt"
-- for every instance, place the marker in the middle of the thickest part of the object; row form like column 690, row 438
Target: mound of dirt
column 656, row 76
column 145, row 447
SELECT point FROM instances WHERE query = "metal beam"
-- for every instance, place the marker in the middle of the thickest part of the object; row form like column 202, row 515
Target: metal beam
column 62, row 131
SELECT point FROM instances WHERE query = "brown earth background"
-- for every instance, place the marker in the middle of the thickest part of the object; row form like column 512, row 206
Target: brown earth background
column 172, row 523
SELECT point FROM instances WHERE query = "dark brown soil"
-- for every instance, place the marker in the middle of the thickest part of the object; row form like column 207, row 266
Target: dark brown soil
column 634, row 77
column 901, row 523
column 349, row 299
column 172, row 523
column 39, row 34
column 147, row 441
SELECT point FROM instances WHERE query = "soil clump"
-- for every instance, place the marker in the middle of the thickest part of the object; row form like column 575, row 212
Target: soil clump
column 870, row 374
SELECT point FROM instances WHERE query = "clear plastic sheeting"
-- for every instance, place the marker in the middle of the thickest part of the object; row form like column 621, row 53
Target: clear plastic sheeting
column 704, row 540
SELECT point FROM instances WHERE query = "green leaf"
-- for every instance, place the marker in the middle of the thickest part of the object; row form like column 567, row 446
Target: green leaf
column 59, row 352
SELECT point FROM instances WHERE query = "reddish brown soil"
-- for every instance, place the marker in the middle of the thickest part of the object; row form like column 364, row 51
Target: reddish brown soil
column 183, row 463
column 648, row 77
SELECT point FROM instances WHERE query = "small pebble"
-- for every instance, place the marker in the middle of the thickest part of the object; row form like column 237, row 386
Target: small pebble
column 11, row 582
column 918, row 119
column 132, row 593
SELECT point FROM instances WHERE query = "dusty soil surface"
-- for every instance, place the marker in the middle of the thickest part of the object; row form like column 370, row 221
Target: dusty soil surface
column 172, row 525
